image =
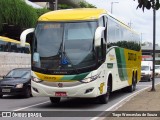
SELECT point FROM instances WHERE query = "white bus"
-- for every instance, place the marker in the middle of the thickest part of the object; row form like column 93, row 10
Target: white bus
column 84, row 53
column 12, row 55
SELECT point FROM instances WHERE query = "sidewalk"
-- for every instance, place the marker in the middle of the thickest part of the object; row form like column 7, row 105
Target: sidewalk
column 144, row 101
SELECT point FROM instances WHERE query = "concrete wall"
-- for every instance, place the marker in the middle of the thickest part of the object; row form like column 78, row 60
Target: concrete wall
column 9, row 61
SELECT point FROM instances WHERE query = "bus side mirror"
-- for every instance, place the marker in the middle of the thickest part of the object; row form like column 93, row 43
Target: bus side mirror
column 24, row 34
column 98, row 35
column 103, row 49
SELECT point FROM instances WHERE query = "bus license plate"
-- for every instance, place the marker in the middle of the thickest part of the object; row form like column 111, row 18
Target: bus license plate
column 60, row 94
column 6, row 90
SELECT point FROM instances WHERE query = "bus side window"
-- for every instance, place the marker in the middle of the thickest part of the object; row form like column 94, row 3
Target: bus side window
column 19, row 48
column 2, row 46
column 22, row 49
column 13, row 47
column 8, row 47
column 27, row 49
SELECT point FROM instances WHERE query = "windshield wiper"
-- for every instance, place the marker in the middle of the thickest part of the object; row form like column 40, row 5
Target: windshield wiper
column 17, row 77
column 8, row 77
column 60, row 49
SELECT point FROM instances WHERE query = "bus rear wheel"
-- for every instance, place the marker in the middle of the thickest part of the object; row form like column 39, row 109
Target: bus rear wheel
column 55, row 100
column 132, row 87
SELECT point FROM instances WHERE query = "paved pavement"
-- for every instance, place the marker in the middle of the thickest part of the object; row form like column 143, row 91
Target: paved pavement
column 147, row 102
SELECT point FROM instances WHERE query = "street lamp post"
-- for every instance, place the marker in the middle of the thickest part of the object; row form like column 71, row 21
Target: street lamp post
column 56, row 5
column 112, row 5
column 154, row 39
column 53, row 4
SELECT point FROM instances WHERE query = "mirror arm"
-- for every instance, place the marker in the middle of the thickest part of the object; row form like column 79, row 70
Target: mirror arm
column 24, row 35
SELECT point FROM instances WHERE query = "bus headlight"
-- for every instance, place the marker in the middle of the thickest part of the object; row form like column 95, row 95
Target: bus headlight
column 36, row 79
column 19, row 86
column 90, row 79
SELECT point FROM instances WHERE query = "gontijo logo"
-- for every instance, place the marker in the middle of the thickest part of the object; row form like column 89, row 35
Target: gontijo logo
column 111, row 57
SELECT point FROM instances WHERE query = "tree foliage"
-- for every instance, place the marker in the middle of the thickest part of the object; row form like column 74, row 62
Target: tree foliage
column 86, row 5
column 41, row 12
column 148, row 4
column 18, row 13
column 64, row 6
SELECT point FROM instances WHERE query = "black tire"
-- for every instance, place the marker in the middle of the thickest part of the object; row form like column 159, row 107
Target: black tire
column 28, row 92
column 103, row 99
column 132, row 87
column 55, row 100
column 134, row 82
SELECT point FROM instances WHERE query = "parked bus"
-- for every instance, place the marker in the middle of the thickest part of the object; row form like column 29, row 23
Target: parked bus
column 12, row 55
column 84, row 53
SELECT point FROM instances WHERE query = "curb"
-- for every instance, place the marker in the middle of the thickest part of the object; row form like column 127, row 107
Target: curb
column 121, row 103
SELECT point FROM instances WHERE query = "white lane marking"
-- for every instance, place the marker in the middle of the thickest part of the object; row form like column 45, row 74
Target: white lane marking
column 31, row 106
column 121, row 101
column 98, row 115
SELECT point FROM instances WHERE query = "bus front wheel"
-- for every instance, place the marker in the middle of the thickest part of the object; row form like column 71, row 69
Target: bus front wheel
column 55, row 100
column 103, row 99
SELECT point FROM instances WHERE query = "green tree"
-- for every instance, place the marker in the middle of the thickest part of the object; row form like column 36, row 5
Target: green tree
column 17, row 16
column 86, row 5
column 41, row 11
column 64, row 6
column 148, row 4
column 17, row 12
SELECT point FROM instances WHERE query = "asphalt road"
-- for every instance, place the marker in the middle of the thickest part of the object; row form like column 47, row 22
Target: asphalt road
column 89, row 107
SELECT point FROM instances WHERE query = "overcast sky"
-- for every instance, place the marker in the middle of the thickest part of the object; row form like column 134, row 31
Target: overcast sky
column 126, row 11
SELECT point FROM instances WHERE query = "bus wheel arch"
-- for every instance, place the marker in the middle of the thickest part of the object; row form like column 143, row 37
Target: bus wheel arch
column 103, row 99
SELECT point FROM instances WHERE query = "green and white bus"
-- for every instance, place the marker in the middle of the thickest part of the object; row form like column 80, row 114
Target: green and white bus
column 83, row 53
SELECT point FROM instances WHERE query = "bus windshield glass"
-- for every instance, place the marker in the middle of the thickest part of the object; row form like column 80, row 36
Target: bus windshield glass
column 64, row 45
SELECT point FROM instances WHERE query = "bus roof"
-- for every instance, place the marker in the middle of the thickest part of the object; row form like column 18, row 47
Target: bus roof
column 2, row 38
column 78, row 14
column 73, row 14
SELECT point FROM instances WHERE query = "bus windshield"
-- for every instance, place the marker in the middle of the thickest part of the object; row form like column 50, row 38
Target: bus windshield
column 64, row 45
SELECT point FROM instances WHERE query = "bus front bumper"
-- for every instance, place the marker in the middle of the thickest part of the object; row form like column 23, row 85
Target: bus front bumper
column 86, row 90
